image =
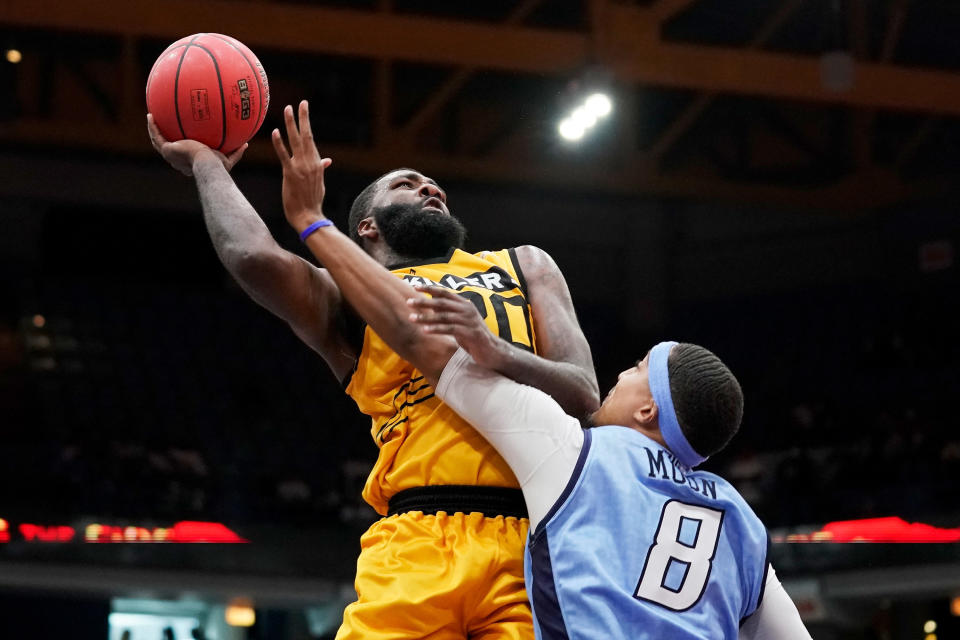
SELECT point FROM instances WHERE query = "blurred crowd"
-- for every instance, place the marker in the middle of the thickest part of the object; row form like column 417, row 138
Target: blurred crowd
column 849, row 410
column 168, row 403
column 172, row 404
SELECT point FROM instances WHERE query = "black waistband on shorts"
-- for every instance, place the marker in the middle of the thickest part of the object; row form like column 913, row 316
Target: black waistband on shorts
column 453, row 498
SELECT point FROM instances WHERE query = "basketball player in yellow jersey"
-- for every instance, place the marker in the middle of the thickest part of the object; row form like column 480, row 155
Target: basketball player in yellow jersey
column 412, row 427
column 446, row 561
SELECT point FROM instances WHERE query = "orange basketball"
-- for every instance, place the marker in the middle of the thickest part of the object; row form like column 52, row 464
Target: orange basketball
column 208, row 87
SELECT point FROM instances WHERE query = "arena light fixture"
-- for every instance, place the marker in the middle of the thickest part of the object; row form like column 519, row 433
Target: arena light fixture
column 571, row 130
column 585, row 116
column 14, row 56
column 599, row 104
column 929, row 626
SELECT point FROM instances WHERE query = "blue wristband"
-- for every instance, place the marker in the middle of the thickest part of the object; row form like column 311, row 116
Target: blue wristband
column 313, row 227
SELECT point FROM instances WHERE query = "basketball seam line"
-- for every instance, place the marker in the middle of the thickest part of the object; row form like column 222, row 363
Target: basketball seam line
column 176, row 86
column 256, row 76
column 223, row 101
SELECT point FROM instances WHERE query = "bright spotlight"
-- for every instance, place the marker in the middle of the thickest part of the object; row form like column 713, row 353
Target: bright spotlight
column 930, row 626
column 583, row 117
column 571, row 129
column 14, row 56
column 599, row 105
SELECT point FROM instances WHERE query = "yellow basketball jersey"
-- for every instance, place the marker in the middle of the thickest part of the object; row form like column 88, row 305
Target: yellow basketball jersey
column 422, row 441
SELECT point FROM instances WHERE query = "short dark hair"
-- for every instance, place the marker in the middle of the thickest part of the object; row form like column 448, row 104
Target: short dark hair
column 706, row 396
column 362, row 204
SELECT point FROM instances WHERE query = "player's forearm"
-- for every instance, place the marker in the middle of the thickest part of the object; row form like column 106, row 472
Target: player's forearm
column 539, row 442
column 776, row 618
column 380, row 299
column 238, row 234
column 574, row 389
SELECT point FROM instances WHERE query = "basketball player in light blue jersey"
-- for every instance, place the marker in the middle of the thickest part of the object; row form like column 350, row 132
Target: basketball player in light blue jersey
column 626, row 539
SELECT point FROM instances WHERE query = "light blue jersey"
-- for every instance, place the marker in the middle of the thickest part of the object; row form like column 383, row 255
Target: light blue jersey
column 639, row 546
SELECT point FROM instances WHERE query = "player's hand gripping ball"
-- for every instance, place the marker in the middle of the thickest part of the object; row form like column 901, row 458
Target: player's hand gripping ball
column 210, row 88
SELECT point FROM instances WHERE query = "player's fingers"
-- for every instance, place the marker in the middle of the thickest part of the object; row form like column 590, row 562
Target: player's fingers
column 293, row 136
column 156, row 138
column 234, row 157
column 306, row 131
column 281, row 150
column 446, row 329
column 435, row 306
column 437, row 291
column 432, row 316
column 425, row 302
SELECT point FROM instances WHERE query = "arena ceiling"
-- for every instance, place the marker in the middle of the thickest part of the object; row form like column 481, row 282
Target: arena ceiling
column 846, row 104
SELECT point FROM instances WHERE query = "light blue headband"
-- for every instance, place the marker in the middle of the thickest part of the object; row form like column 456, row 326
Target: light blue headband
column 659, row 377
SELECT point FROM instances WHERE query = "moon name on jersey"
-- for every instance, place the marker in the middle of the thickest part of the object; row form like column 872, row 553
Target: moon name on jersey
column 659, row 463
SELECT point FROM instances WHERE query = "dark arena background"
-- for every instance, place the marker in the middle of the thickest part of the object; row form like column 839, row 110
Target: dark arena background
column 776, row 180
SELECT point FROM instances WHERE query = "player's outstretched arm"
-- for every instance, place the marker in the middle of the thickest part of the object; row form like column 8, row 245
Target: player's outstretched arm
column 285, row 284
column 564, row 369
column 540, row 442
column 373, row 292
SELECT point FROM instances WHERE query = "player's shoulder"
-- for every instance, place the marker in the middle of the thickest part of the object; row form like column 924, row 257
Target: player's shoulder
column 728, row 493
column 536, row 265
column 492, row 254
column 506, row 259
column 531, row 256
column 717, row 480
column 526, row 253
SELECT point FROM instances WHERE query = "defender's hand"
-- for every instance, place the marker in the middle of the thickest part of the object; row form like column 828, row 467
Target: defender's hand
column 181, row 154
column 303, row 186
column 447, row 313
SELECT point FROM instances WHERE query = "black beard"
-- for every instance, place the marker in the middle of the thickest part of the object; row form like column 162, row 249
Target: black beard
column 414, row 233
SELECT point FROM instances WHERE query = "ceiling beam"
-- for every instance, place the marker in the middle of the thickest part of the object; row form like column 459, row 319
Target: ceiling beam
column 682, row 123
column 856, row 192
column 325, row 30
column 864, row 122
column 383, row 132
column 458, row 79
column 775, row 75
column 629, row 45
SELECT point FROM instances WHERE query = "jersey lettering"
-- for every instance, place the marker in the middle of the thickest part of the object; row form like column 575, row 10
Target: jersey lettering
column 511, row 314
column 507, row 323
column 495, row 279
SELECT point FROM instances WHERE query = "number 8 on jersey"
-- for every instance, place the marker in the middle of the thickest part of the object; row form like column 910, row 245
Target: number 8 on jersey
column 680, row 559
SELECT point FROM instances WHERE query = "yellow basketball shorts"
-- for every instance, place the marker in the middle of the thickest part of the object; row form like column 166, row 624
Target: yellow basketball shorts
column 440, row 577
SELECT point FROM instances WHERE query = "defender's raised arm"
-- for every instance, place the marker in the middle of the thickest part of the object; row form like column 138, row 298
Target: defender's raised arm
column 373, row 292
